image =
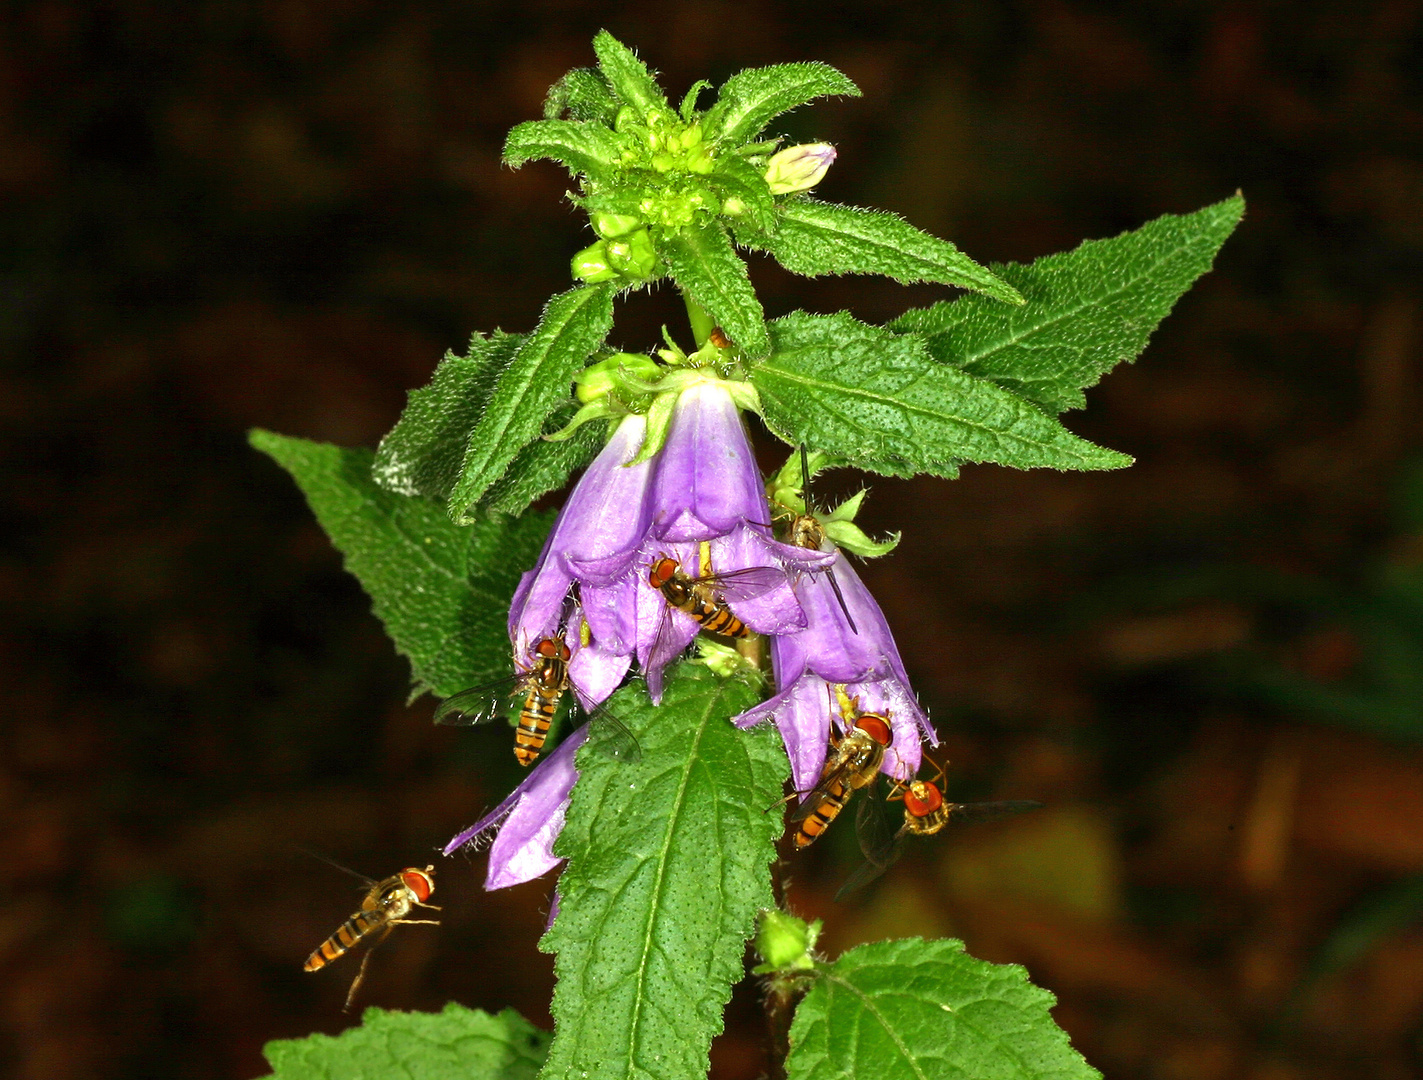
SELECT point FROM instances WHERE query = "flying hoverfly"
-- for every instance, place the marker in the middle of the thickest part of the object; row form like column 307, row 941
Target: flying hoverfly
column 854, row 762
column 926, row 812
column 704, row 599
column 543, row 684
column 386, row 905
column 804, row 530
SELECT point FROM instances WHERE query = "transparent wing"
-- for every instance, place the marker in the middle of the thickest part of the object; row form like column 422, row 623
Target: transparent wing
column 973, row 813
column 479, row 704
column 664, row 645
column 745, row 584
column 611, row 736
column 881, row 843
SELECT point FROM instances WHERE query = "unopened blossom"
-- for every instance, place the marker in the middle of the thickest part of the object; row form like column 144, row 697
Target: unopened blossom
column 799, row 168
column 528, row 821
column 808, row 666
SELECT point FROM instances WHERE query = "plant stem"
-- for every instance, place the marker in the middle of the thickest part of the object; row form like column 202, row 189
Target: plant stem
column 702, row 323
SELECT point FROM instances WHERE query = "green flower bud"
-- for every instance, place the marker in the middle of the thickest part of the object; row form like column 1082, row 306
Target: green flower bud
column 609, row 226
column 607, row 375
column 784, row 942
column 591, row 264
column 733, row 207
column 633, row 255
column 799, row 168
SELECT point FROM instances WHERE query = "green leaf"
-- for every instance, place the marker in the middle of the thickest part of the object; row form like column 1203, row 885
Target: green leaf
column 703, row 262
column 536, row 381
column 1087, row 310
column 913, row 1010
column 587, row 148
column 878, row 401
column 442, row 591
column 751, row 99
column 421, row 455
column 826, row 238
column 584, row 95
column 734, row 176
column 668, row 864
column 628, row 75
column 456, row 1044
column 543, row 466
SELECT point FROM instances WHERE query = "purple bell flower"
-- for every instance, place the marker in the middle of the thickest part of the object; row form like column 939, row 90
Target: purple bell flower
column 827, row 653
column 528, row 821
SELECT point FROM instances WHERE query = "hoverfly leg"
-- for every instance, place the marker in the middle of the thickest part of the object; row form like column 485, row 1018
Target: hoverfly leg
column 361, row 974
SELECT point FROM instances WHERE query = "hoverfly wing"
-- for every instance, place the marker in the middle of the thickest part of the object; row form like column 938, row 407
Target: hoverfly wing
column 974, row 813
column 478, row 704
column 614, row 740
column 664, row 648
column 746, row 584
column 874, row 827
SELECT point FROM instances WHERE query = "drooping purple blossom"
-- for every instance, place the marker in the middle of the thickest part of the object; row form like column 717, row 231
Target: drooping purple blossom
column 528, row 821
column 701, row 488
column 827, row 653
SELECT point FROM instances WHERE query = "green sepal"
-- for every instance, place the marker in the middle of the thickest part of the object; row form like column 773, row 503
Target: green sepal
column 628, row 75
column 751, row 99
column 584, row 95
column 703, row 262
column 814, row 238
column 688, row 108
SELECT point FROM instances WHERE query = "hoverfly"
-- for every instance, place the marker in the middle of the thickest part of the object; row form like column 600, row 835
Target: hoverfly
column 926, row 812
column 704, row 599
column 805, row 531
column 854, row 762
column 543, row 685
column 386, row 905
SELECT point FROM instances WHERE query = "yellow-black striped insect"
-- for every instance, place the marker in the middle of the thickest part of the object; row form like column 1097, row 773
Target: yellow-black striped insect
column 853, row 762
column 387, row 904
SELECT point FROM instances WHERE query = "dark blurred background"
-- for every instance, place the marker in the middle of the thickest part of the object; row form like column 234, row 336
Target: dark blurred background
column 1210, row 666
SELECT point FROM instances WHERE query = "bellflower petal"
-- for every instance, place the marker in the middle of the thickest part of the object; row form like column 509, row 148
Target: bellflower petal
column 707, row 482
column 827, row 652
column 603, row 520
column 595, row 671
column 529, row 820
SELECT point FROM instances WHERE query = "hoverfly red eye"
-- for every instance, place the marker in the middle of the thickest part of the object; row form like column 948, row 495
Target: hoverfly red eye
column 564, row 652
column 547, row 648
column 418, row 882
column 876, row 727
column 662, row 571
column 922, row 798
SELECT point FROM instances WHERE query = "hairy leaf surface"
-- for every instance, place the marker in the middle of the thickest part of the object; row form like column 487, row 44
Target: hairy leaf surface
column 1087, row 309
column 534, row 383
column 543, row 466
column 441, row 590
column 421, row 455
column 914, row 1010
column 454, row 1044
column 668, row 864
column 584, row 94
column 628, row 75
column 584, row 147
column 817, row 237
column 703, row 262
column 751, row 99
column 878, row 401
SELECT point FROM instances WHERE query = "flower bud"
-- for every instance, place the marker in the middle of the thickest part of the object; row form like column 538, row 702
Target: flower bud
column 785, row 942
column 633, row 255
column 591, row 264
column 604, row 377
column 609, row 226
column 799, row 168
